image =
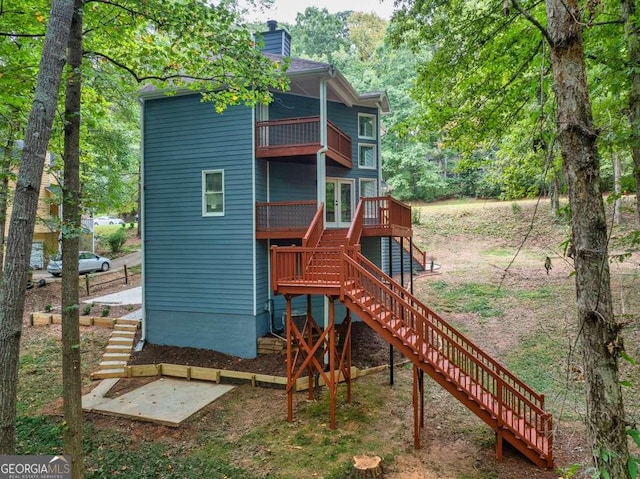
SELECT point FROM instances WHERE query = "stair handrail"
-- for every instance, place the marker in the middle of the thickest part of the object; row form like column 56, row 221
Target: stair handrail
column 417, row 254
column 355, row 230
column 528, row 407
column 448, row 330
column 315, row 230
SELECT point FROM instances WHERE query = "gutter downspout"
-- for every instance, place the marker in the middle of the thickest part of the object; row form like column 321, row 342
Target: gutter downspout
column 321, row 164
column 143, row 319
column 321, row 174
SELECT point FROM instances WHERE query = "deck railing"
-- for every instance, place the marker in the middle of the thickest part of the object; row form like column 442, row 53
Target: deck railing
column 380, row 215
column 299, row 136
column 516, row 406
column 284, row 216
column 383, row 212
column 316, row 228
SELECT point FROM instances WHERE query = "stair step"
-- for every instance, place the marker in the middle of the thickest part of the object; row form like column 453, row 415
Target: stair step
column 112, row 364
column 108, row 373
column 116, row 356
column 135, row 322
column 117, row 348
column 123, row 334
column 125, row 327
column 118, row 340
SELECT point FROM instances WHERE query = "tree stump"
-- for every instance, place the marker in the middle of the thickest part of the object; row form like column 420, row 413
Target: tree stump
column 367, row 467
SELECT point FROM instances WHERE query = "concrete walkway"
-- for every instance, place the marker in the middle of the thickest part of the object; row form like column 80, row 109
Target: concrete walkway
column 126, row 296
column 163, row 401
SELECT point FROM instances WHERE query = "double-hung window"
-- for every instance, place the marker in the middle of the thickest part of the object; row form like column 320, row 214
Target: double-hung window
column 367, row 134
column 367, row 126
column 367, row 156
column 213, row 193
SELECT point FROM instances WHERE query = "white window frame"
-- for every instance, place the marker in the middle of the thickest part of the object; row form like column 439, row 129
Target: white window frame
column 375, row 156
column 204, row 193
column 374, row 127
column 375, row 189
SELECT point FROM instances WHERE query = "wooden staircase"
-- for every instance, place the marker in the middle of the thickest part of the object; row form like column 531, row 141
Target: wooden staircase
column 512, row 409
column 118, row 349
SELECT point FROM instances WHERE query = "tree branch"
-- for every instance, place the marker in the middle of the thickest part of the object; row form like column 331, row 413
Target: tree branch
column 22, row 35
column 535, row 22
column 140, row 79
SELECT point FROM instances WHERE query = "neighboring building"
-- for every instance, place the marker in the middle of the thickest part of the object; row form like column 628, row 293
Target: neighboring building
column 46, row 232
column 221, row 189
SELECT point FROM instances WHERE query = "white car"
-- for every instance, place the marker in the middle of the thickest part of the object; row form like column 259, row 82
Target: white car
column 87, row 262
column 107, row 220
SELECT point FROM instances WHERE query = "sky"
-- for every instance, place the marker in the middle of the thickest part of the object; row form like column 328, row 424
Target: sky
column 286, row 10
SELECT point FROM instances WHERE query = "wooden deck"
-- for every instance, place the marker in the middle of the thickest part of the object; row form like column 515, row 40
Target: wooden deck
column 381, row 216
column 301, row 137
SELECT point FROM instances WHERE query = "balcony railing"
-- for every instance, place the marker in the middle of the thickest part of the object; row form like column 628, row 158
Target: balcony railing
column 385, row 216
column 301, row 137
column 379, row 216
column 289, row 219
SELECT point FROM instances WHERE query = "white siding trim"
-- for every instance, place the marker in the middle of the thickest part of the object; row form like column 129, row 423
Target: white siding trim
column 253, row 211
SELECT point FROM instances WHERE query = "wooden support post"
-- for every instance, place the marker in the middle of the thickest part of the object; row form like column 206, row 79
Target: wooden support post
column 333, row 383
column 86, row 280
column 416, row 407
column 421, row 381
column 309, row 330
column 347, row 344
column 499, row 444
column 290, row 385
column 411, row 256
column 390, row 275
column 126, row 275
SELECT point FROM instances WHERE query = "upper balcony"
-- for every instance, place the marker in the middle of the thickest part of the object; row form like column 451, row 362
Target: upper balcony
column 301, row 137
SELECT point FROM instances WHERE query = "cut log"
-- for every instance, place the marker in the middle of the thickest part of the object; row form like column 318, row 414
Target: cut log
column 367, row 467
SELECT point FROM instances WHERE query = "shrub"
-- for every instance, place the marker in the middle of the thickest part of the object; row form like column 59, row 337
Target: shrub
column 48, row 308
column 87, row 309
column 105, row 311
column 117, row 239
column 415, row 216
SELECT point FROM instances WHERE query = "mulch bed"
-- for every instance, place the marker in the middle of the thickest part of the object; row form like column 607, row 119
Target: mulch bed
column 368, row 349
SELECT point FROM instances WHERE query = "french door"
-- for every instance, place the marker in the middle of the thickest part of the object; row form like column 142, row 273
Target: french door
column 339, row 206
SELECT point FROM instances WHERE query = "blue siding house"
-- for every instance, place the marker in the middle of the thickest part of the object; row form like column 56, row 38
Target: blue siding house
column 258, row 220
column 220, row 190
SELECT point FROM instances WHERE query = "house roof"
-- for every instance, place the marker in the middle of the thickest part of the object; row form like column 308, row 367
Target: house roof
column 305, row 76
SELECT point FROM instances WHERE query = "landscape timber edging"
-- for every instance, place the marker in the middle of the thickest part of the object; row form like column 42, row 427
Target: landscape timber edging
column 217, row 375
column 45, row 319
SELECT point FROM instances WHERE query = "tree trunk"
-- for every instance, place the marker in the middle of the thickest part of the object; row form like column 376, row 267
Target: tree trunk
column 617, row 173
column 554, row 194
column 367, row 467
column 23, row 218
column 5, row 172
column 71, row 378
column 633, row 45
column 599, row 332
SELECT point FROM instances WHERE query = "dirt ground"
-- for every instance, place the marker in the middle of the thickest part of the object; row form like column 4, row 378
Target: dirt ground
column 454, row 443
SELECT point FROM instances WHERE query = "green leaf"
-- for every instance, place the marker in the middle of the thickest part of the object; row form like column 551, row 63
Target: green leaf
column 632, row 467
column 635, row 435
column 628, row 358
column 627, row 384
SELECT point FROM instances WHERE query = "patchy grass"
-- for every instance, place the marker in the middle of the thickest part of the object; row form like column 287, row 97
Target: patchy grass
column 41, row 365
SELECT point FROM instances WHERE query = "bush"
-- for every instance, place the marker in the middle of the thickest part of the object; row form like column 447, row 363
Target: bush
column 117, row 239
